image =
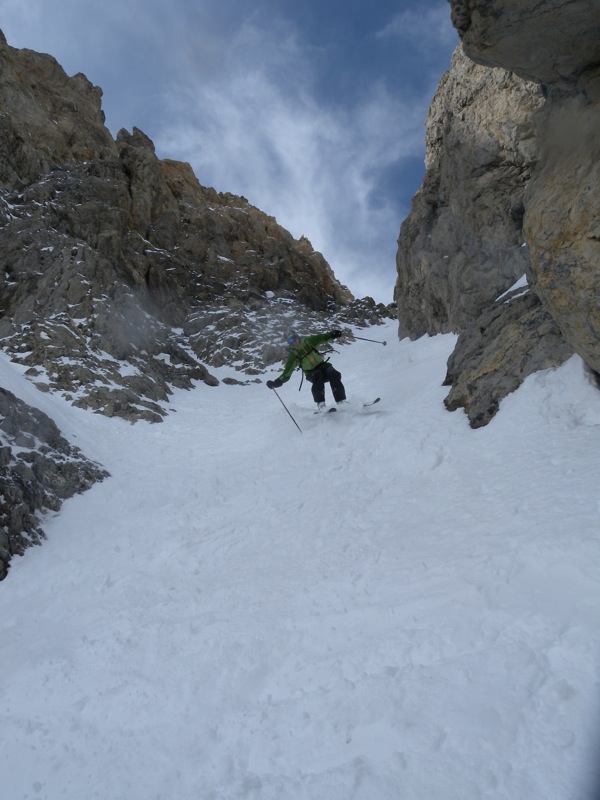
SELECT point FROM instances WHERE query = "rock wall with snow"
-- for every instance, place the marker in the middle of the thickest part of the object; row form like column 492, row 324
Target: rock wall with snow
column 122, row 277
column 511, row 189
column 462, row 244
column 38, row 470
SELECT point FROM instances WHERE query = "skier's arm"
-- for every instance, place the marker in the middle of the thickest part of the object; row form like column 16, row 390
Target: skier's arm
column 319, row 338
column 290, row 366
column 285, row 375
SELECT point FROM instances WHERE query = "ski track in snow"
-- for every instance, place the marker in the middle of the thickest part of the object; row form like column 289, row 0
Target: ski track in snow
column 388, row 605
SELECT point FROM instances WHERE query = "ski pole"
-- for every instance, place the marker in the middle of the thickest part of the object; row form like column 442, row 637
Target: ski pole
column 286, row 408
column 376, row 341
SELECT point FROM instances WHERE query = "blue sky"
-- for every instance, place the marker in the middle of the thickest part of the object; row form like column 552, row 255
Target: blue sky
column 313, row 111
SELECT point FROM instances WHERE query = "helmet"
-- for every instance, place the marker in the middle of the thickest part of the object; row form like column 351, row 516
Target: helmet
column 292, row 337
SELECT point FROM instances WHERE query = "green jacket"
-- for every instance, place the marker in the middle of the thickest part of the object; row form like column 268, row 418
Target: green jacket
column 304, row 355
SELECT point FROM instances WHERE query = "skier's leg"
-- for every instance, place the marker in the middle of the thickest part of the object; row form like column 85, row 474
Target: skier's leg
column 316, row 377
column 335, row 381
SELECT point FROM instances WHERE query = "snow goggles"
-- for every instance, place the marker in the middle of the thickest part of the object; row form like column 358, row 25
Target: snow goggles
column 292, row 339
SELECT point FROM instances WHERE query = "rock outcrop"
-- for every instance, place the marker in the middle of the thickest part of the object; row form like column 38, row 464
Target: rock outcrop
column 38, row 470
column 541, row 192
column 550, row 42
column 463, row 244
column 562, row 220
column 511, row 339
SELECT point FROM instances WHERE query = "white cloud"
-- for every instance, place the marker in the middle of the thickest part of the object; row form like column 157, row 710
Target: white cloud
column 424, row 27
column 257, row 129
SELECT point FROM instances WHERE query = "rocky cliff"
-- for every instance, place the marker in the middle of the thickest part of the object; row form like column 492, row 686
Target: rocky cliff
column 463, row 243
column 511, row 189
column 38, row 470
column 122, row 276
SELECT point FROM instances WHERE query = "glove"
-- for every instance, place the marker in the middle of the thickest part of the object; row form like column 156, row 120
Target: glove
column 274, row 384
column 335, row 334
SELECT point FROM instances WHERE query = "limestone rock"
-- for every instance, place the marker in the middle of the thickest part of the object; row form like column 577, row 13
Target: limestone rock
column 46, row 118
column 550, row 42
column 562, row 223
column 557, row 45
column 509, row 341
column 515, row 165
column 38, row 470
column 462, row 243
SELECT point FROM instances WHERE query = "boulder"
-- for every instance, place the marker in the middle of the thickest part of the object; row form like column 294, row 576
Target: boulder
column 512, row 339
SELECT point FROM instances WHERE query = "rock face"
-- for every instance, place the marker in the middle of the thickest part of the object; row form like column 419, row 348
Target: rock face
column 548, row 53
column 562, row 222
column 38, row 470
column 462, row 244
column 122, row 278
column 549, row 42
column 513, row 338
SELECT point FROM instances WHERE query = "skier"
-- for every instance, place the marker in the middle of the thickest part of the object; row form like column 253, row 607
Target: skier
column 318, row 371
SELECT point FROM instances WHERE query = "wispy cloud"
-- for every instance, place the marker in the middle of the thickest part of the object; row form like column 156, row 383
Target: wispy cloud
column 258, row 129
column 423, row 27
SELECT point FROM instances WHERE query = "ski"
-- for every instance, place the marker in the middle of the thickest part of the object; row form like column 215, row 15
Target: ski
column 364, row 405
column 372, row 403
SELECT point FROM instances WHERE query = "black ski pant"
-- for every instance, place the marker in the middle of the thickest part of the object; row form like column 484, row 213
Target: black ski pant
column 322, row 374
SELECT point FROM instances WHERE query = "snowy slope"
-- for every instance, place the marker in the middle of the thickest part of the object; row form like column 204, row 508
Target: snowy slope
column 387, row 606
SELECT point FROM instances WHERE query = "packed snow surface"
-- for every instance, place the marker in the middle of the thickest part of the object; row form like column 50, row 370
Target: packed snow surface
column 386, row 606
